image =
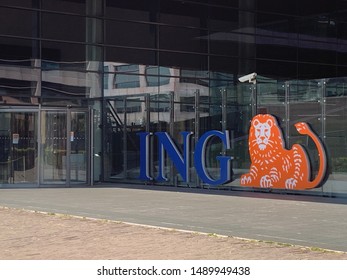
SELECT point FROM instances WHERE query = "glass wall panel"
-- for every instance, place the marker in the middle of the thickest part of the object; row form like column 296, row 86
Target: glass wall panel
column 64, row 73
column 271, row 98
column 113, row 139
column 157, row 76
column 135, row 119
column 211, row 109
column 186, row 117
column 18, row 22
column 184, row 61
column 277, row 37
column 18, row 3
column 224, row 43
column 97, row 139
column 223, row 21
column 131, row 34
column 56, row 55
column 342, row 55
column 64, row 86
column 341, row 71
column 68, row 6
column 137, row 10
column 19, row 50
column 336, row 131
column 58, row 27
column 238, row 114
column 126, row 116
column 227, row 3
column 127, row 76
column 18, row 137
column 311, row 71
column 54, row 146
column 226, row 67
column 312, row 7
column 79, row 155
column 318, row 27
column 268, row 50
column 183, row 14
column 18, row 80
column 305, row 100
column 277, row 69
column 130, row 56
column 341, row 28
column 283, row 7
column 60, row 102
column 183, row 39
column 160, row 104
column 317, row 52
column 277, row 25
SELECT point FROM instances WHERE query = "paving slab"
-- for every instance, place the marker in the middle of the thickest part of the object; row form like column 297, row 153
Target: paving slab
column 306, row 221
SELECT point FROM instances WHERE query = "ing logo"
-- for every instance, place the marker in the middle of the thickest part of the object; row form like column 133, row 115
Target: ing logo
column 272, row 165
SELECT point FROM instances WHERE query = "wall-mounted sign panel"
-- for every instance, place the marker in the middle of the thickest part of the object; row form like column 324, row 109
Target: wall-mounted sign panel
column 272, row 165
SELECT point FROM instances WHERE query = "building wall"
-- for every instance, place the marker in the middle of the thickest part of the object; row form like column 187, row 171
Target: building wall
column 172, row 66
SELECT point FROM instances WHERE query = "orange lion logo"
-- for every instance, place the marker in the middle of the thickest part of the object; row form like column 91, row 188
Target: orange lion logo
column 273, row 166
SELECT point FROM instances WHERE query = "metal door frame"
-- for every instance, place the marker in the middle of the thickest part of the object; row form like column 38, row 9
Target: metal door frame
column 89, row 157
column 89, row 141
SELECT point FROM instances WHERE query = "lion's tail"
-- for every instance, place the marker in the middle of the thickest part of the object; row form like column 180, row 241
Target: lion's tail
column 304, row 128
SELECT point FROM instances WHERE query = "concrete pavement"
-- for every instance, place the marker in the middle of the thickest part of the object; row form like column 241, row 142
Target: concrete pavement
column 307, row 221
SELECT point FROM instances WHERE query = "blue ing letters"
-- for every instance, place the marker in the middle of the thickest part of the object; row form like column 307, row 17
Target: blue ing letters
column 181, row 161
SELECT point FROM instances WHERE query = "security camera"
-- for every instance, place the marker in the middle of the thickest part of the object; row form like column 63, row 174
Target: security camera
column 250, row 78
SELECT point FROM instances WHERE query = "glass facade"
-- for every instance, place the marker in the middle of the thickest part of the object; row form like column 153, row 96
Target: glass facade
column 79, row 79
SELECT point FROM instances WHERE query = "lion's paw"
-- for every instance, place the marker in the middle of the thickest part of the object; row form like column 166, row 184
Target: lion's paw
column 291, row 183
column 246, row 179
column 265, row 182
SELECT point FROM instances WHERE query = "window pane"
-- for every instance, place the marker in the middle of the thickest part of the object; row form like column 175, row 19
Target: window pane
column 130, row 34
column 336, row 125
column 17, row 22
column 18, row 49
column 182, row 60
column 160, row 103
column 183, row 13
column 183, row 39
column 70, row 6
column 124, row 80
column 131, row 9
column 153, row 78
column 74, row 54
column 58, row 27
column 18, row 3
column 131, row 56
column 283, row 7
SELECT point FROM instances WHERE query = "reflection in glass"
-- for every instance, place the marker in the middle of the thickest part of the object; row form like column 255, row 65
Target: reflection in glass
column 153, row 78
column 53, row 145
column 18, row 147
column 79, row 147
column 336, row 126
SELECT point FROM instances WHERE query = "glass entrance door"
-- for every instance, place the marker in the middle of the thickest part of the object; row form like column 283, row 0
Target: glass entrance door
column 78, row 147
column 64, row 146
column 18, row 147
